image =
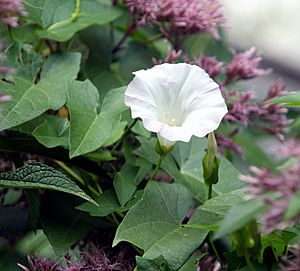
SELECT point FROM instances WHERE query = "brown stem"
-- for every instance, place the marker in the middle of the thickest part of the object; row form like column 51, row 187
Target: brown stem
column 49, row 45
column 131, row 28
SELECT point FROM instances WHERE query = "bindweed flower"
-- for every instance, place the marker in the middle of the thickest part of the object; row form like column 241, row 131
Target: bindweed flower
column 176, row 101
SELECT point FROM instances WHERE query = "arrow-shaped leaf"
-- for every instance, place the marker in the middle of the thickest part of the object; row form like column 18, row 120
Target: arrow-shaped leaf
column 31, row 100
column 89, row 130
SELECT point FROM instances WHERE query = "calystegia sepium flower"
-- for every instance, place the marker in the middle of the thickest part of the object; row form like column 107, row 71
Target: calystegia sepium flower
column 176, row 101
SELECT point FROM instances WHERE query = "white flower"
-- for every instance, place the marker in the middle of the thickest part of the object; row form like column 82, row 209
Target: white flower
column 176, row 101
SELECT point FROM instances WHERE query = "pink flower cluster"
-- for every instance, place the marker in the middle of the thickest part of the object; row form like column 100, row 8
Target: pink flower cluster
column 10, row 10
column 283, row 186
column 292, row 262
column 244, row 66
column 179, row 18
column 271, row 118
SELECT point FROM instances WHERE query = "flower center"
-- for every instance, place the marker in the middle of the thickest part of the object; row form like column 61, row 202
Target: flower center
column 172, row 122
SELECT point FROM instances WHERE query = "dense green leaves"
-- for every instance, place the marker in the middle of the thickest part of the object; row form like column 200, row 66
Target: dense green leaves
column 53, row 132
column 188, row 157
column 241, row 214
column 154, row 224
column 108, row 203
column 125, row 184
column 31, row 100
column 60, row 21
column 37, row 175
column 90, row 130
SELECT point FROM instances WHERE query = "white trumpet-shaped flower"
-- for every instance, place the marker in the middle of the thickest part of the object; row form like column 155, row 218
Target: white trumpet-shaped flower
column 176, row 101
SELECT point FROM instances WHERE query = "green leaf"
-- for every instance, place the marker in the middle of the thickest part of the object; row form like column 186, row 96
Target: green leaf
column 36, row 175
column 125, row 183
column 157, row 264
column 293, row 209
column 189, row 156
column 287, row 100
column 192, row 263
column 254, row 154
column 30, row 100
column 100, row 156
column 108, row 203
column 212, row 212
column 147, row 151
column 53, row 132
column 154, row 224
column 239, row 215
column 61, row 66
column 89, row 130
column 278, row 240
column 59, row 21
column 99, row 43
column 137, row 56
column 105, row 81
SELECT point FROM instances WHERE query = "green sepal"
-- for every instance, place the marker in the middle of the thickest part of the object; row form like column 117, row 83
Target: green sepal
column 210, row 169
column 161, row 150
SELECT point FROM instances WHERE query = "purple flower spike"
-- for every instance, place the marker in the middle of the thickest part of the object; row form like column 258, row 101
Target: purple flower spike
column 284, row 186
column 244, row 66
column 210, row 64
column 179, row 18
column 292, row 262
column 9, row 10
column 37, row 263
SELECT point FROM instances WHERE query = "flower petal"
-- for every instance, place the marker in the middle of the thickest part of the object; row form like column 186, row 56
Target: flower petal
column 176, row 101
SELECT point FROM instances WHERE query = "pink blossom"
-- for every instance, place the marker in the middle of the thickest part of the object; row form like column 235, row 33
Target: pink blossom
column 37, row 263
column 225, row 142
column 241, row 107
column 244, row 66
column 173, row 56
column 284, row 185
column 210, row 64
column 179, row 18
column 9, row 10
column 289, row 148
column 274, row 116
column 292, row 262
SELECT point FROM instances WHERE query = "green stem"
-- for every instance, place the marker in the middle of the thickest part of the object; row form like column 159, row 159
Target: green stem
column 211, row 241
column 157, row 166
column 76, row 177
column 70, row 172
column 249, row 263
column 210, row 191
column 115, row 219
column 73, row 17
column 11, row 34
